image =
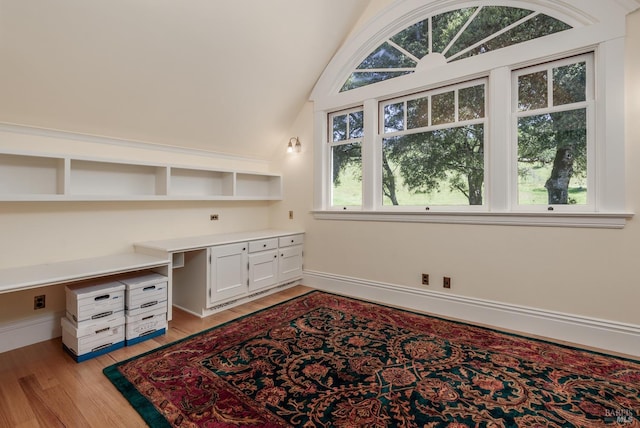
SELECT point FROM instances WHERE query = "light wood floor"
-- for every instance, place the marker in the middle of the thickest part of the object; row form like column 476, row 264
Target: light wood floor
column 42, row 386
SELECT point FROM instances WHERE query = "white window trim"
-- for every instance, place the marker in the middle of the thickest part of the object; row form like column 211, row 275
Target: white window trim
column 381, row 135
column 599, row 28
column 329, row 146
column 588, row 105
column 587, row 220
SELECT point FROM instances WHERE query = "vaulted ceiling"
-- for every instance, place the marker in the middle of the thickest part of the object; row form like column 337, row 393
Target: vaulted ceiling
column 221, row 75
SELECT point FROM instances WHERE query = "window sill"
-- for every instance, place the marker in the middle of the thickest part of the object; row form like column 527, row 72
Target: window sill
column 609, row 220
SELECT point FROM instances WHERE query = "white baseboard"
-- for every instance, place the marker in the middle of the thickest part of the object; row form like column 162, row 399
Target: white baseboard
column 604, row 334
column 239, row 301
column 46, row 327
column 29, row 331
column 591, row 332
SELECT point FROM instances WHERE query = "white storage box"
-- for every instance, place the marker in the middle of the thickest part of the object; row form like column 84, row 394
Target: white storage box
column 88, row 341
column 146, row 325
column 144, row 292
column 86, row 301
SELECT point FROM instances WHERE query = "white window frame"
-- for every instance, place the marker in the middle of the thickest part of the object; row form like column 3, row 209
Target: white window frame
column 330, row 144
column 430, row 93
column 599, row 27
column 588, row 104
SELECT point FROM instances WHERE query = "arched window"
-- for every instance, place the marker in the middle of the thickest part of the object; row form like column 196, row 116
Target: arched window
column 451, row 36
column 477, row 112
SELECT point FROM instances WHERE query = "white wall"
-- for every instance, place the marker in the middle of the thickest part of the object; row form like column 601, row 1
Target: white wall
column 585, row 272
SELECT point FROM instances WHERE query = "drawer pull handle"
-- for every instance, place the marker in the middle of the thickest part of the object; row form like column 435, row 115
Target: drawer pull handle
column 103, row 297
column 147, row 332
column 151, row 287
column 146, row 305
column 101, row 315
column 146, row 318
column 264, row 245
column 97, row 348
column 102, row 330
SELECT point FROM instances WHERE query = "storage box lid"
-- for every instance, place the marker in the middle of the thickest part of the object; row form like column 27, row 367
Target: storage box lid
column 94, row 289
column 141, row 280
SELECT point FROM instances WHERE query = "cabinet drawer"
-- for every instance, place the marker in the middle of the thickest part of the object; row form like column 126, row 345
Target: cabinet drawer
column 287, row 241
column 263, row 245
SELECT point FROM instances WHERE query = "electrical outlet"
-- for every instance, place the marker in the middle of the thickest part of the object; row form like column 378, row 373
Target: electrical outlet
column 290, row 215
column 446, row 282
column 39, row 302
column 214, row 217
column 425, row 279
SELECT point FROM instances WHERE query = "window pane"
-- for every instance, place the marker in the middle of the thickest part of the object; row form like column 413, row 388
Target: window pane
column 356, row 120
column 488, row 21
column 418, row 113
column 538, row 26
column 532, row 91
column 346, row 163
column 471, row 103
column 446, row 26
column 358, row 79
column 570, row 84
column 386, row 56
column 552, row 158
column 394, row 117
column 414, row 39
column 339, row 128
column 441, row 167
column 443, row 108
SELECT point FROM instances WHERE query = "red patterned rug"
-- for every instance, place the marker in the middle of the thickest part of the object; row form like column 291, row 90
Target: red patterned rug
column 321, row 360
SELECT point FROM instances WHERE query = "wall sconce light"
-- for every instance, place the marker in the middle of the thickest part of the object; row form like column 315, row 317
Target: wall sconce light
column 294, row 145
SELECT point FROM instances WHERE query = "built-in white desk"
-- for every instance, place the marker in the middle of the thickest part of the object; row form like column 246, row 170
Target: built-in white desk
column 178, row 245
column 282, row 248
column 26, row 277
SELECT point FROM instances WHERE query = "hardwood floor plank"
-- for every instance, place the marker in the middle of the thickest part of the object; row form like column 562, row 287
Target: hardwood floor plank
column 15, row 407
column 44, row 405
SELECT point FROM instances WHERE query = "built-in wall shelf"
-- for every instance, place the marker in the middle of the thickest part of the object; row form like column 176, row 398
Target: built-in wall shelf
column 27, row 177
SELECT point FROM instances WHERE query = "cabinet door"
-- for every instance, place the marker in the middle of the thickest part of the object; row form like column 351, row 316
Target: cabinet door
column 263, row 269
column 228, row 272
column 290, row 263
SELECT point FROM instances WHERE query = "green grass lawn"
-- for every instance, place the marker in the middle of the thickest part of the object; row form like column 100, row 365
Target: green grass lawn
column 531, row 191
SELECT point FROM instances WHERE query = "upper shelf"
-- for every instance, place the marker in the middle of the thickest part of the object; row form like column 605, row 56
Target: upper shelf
column 26, row 177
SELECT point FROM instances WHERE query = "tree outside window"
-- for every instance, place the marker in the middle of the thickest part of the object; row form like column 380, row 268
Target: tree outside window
column 346, row 157
column 433, row 148
column 552, row 130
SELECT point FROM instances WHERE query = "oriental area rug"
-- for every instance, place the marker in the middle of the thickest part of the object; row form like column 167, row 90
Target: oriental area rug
column 322, row 360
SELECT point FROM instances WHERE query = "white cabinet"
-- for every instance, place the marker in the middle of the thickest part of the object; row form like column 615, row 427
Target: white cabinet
column 227, row 272
column 214, row 272
column 290, row 261
column 29, row 177
column 263, row 264
column 237, row 270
